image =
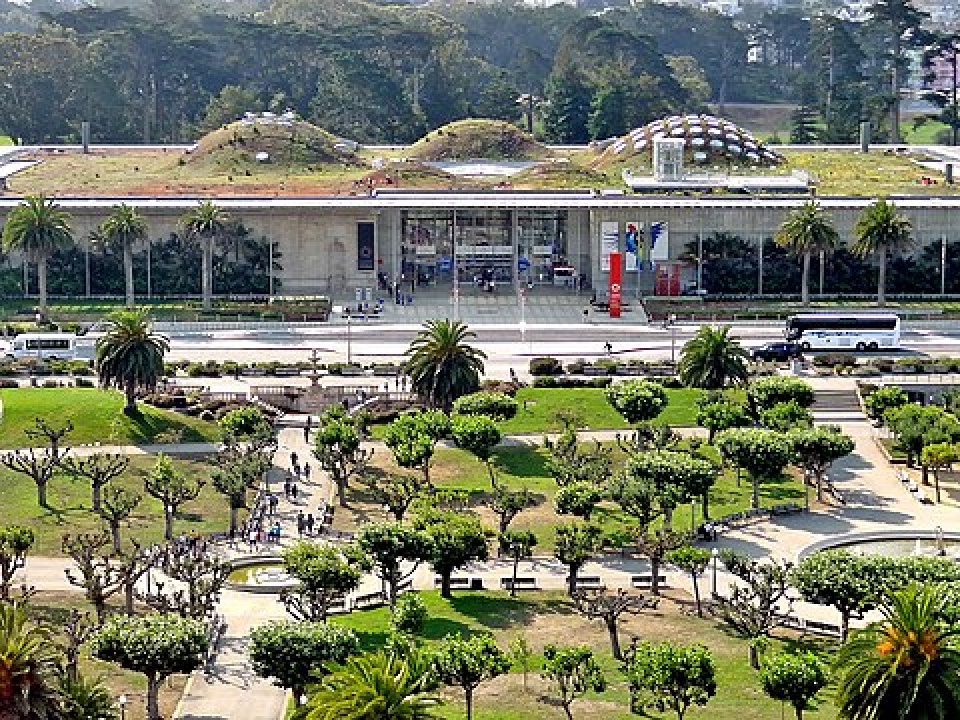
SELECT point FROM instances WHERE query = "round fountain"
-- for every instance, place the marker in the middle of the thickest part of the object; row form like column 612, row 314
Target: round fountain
column 893, row 543
column 264, row 574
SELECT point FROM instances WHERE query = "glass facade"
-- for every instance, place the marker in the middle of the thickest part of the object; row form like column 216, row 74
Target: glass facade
column 486, row 246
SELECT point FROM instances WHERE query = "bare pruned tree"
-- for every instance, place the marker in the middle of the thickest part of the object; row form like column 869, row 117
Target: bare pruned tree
column 39, row 464
column 99, row 469
column 99, row 576
column 599, row 604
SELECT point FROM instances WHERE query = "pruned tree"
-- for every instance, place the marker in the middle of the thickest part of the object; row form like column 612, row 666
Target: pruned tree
column 78, row 627
column 455, row 541
column 117, row 504
column 637, row 401
column 938, row 457
column 132, row 564
column 762, row 453
column 468, row 662
column 794, row 678
column 297, row 653
column 200, row 576
column 576, row 544
column 816, row 449
column 99, row 576
column 155, row 645
column 99, row 469
column 575, row 671
column 15, row 542
column 507, row 504
column 324, row 575
column 389, row 545
column 579, row 499
column 572, row 462
column 172, row 488
column 337, row 448
column 693, row 561
column 600, row 604
column 517, row 545
column 239, row 469
column 39, row 464
column 753, row 608
column 667, row 676
column 478, row 435
column 413, row 437
column 395, row 491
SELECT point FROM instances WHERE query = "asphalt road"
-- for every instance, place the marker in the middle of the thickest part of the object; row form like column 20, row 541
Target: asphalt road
column 504, row 342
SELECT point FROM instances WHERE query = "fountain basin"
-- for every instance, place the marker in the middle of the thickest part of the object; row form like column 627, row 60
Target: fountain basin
column 263, row 574
column 892, row 543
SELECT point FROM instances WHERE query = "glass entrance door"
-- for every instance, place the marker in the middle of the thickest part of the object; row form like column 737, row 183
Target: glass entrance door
column 485, row 249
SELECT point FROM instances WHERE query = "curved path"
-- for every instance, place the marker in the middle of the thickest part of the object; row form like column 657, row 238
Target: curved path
column 876, row 500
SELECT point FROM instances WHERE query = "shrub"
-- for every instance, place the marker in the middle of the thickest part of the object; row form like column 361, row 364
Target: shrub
column 576, row 367
column 507, row 387
column 770, row 391
column 207, row 416
column 498, row 406
column 8, row 383
column 410, row 614
column 545, row 366
column 242, row 422
column 569, row 382
column 832, row 359
column 83, row 382
column 51, row 384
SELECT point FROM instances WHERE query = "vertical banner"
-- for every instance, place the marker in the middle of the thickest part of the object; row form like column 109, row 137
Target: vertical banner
column 659, row 242
column 614, row 285
column 631, row 247
column 365, row 246
column 609, row 243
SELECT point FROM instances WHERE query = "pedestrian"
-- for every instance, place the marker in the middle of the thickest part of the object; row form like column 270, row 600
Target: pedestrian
column 296, row 471
column 306, row 472
column 310, row 523
column 306, row 429
column 293, row 459
column 286, row 488
column 608, row 347
column 301, row 523
column 252, row 539
column 293, row 491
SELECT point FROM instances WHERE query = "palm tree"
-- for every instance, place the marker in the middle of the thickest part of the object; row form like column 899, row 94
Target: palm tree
column 442, row 365
column 29, row 669
column 904, row 667
column 87, row 699
column 881, row 229
column 37, row 227
column 805, row 231
column 712, row 359
column 129, row 355
column 206, row 223
column 125, row 227
column 375, row 687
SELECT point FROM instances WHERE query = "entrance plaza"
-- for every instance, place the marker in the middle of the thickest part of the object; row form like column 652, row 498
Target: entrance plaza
column 432, row 244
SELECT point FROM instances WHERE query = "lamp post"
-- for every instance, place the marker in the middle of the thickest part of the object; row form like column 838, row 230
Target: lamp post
column 693, row 516
column 714, row 557
column 122, row 702
column 672, row 324
column 349, row 349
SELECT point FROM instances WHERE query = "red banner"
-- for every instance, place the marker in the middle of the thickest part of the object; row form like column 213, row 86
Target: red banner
column 614, row 287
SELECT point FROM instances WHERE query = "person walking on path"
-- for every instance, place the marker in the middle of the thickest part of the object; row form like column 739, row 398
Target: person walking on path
column 306, row 472
column 293, row 491
column 306, row 429
column 286, row 488
column 301, row 523
column 310, row 523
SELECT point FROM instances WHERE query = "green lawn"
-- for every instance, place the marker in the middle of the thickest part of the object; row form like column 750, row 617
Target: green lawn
column 69, row 511
column 525, row 467
column 6, row 140
column 549, row 618
column 97, row 417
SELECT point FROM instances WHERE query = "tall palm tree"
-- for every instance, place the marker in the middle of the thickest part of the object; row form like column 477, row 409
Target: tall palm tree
column 125, row 227
column 882, row 229
column 375, row 687
column 130, row 355
column 37, row 227
column 442, row 365
column 29, row 669
column 712, row 360
column 206, row 223
column 805, row 231
column 904, row 667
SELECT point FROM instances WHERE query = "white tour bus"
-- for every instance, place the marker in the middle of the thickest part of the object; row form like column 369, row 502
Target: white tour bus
column 836, row 331
column 56, row 346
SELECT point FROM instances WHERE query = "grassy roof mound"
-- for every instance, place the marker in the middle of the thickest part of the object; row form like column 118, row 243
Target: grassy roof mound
column 285, row 143
column 477, row 140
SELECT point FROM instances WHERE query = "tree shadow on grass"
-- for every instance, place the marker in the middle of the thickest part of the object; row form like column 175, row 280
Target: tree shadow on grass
column 501, row 611
column 371, row 640
column 521, row 461
column 439, row 628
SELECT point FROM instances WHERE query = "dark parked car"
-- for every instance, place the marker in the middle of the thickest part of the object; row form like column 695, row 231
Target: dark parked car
column 776, row 351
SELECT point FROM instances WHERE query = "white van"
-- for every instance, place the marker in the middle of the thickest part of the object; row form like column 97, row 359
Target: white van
column 54, row 346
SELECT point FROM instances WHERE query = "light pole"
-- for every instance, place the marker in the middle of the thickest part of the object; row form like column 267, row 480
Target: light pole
column 693, row 516
column 349, row 349
column 122, row 702
column 714, row 557
column 671, row 322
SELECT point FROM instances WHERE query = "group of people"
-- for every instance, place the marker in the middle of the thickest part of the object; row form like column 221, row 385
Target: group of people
column 305, row 523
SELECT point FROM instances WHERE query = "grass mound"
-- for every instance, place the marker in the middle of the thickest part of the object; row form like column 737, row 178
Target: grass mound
column 294, row 143
column 560, row 176
column 97, row 416
column 478, row 139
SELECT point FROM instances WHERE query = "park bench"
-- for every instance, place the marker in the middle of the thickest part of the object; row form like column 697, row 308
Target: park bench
column 368, row 600
column 461, row 583
column 586, row 581
column 523, row 583
column 645, row 581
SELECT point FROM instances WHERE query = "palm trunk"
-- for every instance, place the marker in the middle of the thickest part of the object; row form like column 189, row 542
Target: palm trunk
column 805, row 280
column 42, row 286
column 128, row 273
column 882, row 279
column 130, row 390
column 206, row 271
